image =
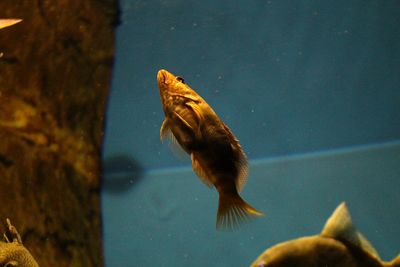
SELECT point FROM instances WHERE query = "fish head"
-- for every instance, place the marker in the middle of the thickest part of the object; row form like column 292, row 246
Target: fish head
column 173, row 90
column 169, row 83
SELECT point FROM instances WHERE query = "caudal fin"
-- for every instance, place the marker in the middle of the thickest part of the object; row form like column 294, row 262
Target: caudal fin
column 234, row 211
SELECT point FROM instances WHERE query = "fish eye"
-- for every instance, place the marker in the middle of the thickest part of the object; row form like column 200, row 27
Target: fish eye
column 180, row 79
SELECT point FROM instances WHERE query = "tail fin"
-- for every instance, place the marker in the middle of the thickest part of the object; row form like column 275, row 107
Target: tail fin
column 233, row 211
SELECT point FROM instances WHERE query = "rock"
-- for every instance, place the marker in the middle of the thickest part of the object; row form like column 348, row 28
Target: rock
column 55, row 72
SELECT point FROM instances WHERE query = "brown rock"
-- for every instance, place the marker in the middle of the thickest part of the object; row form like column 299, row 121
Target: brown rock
column 55, row 69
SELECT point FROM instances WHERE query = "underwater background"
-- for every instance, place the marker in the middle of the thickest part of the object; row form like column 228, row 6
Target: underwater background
column 310, row 88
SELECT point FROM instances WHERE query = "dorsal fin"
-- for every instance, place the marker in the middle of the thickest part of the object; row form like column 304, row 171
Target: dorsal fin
column 340, row 226
column 241, row 161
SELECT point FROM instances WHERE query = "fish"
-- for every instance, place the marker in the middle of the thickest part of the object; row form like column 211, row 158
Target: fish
column 339, row 244
column 217, row 157
column 8, row 22
column 13, row 252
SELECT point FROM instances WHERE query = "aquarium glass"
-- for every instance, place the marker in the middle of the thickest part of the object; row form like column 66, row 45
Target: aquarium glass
column 310, row 88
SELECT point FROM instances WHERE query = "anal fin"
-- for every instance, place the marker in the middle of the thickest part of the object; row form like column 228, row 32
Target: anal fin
column 166, row 133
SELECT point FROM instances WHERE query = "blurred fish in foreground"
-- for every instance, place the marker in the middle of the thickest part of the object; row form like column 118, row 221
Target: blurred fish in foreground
column 8, row 22
column 217, row 157
column 338, row 245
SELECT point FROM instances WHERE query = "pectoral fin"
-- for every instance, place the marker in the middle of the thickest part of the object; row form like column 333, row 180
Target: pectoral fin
column 166, row 133
column 164, row 129
column 182, row 120
column 197, row 110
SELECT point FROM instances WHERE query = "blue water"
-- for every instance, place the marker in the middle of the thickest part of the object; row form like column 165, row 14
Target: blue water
column 311, row 89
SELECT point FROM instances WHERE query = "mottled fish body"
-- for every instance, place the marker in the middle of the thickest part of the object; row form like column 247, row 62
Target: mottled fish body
column 338, row 245
column 217, row 157
column 13, row 252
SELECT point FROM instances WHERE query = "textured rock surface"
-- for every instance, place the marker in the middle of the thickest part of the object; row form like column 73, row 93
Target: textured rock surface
column 55, row 70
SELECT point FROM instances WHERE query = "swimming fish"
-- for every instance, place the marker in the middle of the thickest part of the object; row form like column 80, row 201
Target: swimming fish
column 338, row 245
column 217, row 157
column 8, row 22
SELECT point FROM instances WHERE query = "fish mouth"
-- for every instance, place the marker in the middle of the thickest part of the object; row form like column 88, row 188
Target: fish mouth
column 162, row 76
column 165, row 77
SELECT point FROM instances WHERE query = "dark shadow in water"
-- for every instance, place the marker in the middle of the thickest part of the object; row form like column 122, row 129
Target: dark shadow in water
column 120, row 173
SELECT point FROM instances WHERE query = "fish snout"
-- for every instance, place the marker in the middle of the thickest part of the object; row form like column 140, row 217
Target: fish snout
column 162, row 76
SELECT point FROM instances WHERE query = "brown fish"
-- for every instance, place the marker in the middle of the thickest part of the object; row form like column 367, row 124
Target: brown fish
column 13, row 252
column 217, row 157
column 338, row 245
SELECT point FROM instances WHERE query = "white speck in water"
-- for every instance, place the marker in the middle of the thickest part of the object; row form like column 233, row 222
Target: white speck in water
column 343, row 32
column 217, row 91
column 194, row 24
column 220, row 77
column 172, row 28
column 252, row 110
